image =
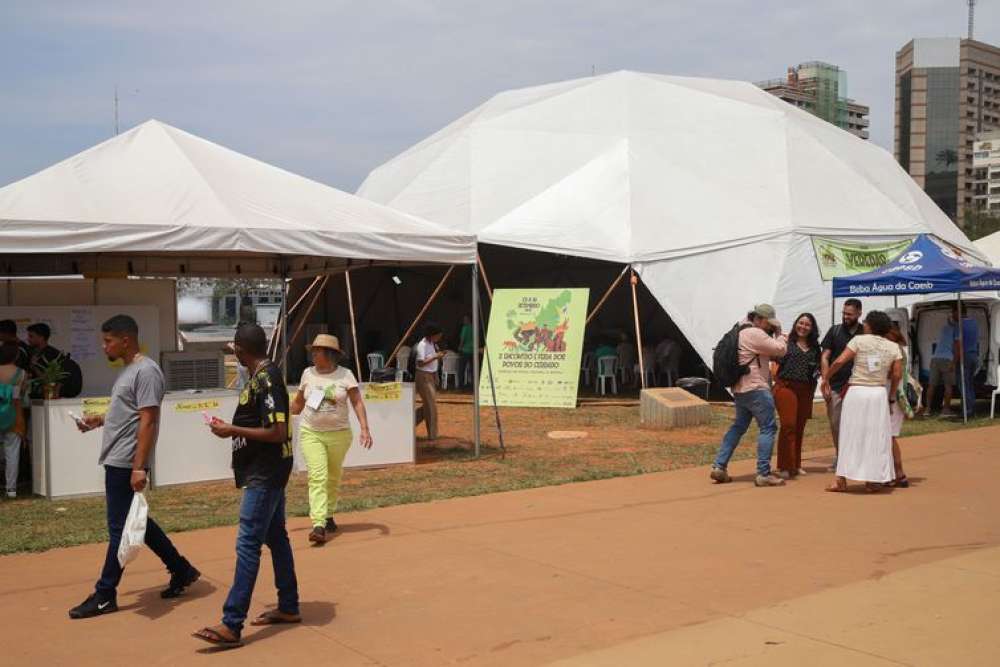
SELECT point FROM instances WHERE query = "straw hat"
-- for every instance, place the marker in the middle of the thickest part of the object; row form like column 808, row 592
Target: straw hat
column 327, row 341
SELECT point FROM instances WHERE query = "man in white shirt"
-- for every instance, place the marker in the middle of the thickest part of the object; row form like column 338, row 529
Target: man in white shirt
column 427, row 364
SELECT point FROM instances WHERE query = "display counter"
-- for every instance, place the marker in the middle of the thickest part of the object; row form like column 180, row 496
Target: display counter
column 65, row 460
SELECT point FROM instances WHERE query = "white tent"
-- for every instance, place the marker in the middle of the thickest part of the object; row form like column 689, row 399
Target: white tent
column 159, row 201
column 711, row 189
column 990, row 246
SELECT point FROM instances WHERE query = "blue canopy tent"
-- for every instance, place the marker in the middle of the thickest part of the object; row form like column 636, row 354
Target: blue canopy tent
column 927, row 266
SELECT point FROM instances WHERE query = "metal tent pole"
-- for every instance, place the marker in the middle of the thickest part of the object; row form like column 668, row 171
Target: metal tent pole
column 475, row 357
column 961, row 362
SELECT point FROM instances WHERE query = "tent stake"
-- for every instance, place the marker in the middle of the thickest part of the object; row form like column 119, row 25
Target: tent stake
column 354, row 328
column 423, row 310
column 607, row 294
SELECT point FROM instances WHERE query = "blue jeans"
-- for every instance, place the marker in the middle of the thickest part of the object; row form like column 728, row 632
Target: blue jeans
column 118, row 495
column 262, row 521
column 971, row 361
column 759, row 405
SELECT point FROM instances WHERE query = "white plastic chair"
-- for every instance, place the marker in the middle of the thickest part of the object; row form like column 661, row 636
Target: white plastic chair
column 607, row 369
column 375, row 362
column 585, row 366
column 449, row 368
column 402, row 363
column 993, row 396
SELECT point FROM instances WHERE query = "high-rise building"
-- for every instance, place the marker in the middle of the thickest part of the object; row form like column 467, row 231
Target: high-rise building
column 821, row 89
column 947, row 96
column 986, row 173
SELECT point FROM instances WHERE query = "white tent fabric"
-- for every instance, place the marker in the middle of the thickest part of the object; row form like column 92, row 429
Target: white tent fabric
column 712, row 189
column 990, row 246
column 156, row 190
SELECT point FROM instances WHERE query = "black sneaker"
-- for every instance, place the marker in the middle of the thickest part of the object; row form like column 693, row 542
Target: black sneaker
column 93, row 606
column 179, row 582
column 331, row 525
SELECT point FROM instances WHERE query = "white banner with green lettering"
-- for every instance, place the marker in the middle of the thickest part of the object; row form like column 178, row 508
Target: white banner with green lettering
column 838, row 259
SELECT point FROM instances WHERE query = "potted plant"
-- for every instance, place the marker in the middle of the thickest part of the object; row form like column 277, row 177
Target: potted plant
column 50, row 377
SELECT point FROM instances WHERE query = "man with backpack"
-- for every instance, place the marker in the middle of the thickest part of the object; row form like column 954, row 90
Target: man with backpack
column 834, row 344
column 13, row 382
column 742, row 361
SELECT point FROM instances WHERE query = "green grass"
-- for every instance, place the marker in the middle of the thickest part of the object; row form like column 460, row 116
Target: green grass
column 616, row 447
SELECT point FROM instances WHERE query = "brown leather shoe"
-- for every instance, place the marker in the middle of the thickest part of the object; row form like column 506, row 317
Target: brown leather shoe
column 318, row 535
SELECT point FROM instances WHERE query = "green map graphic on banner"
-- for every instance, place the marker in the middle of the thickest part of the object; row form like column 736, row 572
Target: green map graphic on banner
column 838, row 259
column 535, row 341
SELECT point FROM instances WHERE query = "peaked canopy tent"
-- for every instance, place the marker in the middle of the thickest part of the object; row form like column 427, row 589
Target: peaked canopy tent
column 713, row 190
column 927, row 266
column 990, row 246
column 158, row 201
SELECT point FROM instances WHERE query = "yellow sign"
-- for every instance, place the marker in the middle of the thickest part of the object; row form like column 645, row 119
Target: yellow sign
column 196, row 406
column 384, row 391
column 95, row 406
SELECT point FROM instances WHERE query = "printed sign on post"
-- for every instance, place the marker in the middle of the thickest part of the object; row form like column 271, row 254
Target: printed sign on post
column 383, row 391
column 534, row 343
column 839, row 259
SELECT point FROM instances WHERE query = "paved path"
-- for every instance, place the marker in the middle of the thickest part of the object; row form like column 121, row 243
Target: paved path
column 657, row 569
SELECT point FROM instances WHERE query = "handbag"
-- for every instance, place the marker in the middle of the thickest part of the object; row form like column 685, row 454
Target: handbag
column 134, row 533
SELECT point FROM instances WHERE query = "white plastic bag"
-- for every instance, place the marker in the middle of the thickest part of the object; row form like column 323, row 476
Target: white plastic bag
column 134, row 532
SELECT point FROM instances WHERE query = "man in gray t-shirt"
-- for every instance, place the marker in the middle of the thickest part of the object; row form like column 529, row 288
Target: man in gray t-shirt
column 131, row 426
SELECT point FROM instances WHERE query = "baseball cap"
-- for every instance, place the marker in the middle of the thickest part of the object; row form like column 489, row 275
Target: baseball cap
column 766, row 311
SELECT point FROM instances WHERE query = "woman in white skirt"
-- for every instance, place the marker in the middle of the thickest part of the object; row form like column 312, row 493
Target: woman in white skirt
column 865, row 453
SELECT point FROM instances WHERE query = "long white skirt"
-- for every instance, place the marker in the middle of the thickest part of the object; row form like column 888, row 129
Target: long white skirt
column 865, row 436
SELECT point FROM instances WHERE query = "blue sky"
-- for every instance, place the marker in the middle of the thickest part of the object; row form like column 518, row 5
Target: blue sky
column 332, row 89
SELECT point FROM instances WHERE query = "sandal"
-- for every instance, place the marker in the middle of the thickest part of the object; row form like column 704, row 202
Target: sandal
column 276, row 617
column 837, row 488
column 872, row 487
column 215, row 637
column 900, row 483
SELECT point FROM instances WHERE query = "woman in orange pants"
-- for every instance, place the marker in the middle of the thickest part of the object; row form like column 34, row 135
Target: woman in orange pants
column 794, row 390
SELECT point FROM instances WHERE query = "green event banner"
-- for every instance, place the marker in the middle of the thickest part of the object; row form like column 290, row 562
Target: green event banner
column 535, row 342
column 838, row 259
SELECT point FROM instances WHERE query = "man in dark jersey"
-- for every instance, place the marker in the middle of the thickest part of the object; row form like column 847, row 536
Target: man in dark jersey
column 262, row 462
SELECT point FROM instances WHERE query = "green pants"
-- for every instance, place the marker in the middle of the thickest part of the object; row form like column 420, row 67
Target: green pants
column 324, row 452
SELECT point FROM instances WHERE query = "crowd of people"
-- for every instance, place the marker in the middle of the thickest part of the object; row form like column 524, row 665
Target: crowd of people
column 862, row 368
column 22, row 367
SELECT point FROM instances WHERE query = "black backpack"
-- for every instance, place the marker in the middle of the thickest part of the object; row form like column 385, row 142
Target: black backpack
column 72, row 384
column 726, row 366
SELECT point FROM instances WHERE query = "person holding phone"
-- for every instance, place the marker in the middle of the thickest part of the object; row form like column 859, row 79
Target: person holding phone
column 428, row 363
column 131, row 426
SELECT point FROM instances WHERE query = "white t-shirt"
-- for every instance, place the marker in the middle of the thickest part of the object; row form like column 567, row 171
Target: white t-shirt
column 426, row 350
column 326, row 398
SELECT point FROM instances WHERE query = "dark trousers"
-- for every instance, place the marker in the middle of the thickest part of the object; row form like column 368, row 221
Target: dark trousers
column 262, row 521
column 118, row 495
column 463, row 367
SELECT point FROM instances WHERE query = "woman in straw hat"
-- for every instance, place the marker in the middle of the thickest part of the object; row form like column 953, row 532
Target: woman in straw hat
column 324, row 429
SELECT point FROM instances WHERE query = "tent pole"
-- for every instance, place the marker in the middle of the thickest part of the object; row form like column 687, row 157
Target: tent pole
column 607, row 294
column 493, row 387
column 285, row 286
column 286, row 341
column 638, row 332
column 475, row 356
column 486, row 280
column 895, row 301
column 423, row 310
column 961, row 361
column 273, row 345
column 354, row 328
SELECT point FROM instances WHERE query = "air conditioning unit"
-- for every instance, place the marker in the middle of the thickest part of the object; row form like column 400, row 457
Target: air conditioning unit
column 193, row 370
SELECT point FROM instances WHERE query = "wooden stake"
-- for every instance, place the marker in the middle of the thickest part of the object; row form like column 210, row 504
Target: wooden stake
column 607, row 294
column 302, row 322
column 354, row 328
column 423, row 310
column 638, row 333
column 486, row 280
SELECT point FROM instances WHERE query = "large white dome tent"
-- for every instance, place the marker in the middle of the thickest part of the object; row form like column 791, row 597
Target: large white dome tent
column 711, row 189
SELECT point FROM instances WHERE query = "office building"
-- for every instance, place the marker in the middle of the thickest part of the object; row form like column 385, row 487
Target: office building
column 821, row 89
column 947, row 98
column 986, row 173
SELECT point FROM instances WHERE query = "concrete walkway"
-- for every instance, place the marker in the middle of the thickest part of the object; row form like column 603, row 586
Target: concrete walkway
column 658, row 569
